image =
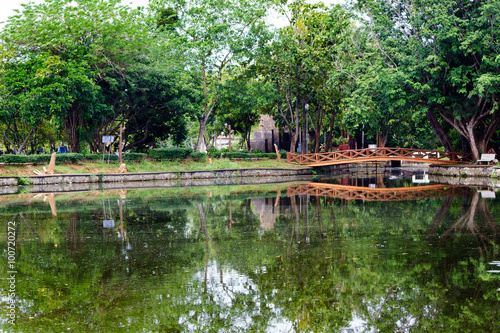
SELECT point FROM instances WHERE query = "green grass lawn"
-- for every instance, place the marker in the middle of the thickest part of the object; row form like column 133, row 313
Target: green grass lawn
column 145, row 166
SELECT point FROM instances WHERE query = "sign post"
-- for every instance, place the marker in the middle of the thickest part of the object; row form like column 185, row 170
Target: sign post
column 107, row 139
column 120, row 144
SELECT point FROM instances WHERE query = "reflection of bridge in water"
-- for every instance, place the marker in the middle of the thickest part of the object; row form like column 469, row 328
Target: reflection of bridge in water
column 475, row 219
column 376, row 194
column 379, row 154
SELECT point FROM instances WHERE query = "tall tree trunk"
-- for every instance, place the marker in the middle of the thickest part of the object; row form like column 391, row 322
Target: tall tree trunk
column 72, row 123
column 330, row 134
column 305, row 131
column 247, row 139
column 438, row 130
column 293, row 139
column 382, row 139
column 297, row 109
column 317, row 133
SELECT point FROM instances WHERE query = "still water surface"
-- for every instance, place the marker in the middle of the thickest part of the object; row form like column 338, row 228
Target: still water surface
column 339, row 255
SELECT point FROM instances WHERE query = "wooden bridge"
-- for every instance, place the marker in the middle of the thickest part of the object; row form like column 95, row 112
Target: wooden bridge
column 376, row 194
column 379, row 154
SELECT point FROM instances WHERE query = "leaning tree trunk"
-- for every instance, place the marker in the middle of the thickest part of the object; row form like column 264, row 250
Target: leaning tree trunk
column 474, row 145
column 475, row 128
column 439, row 131
column 200, row 145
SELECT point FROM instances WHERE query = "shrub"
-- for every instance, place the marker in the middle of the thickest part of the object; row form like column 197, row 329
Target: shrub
column 93, row 157
column 14, row 159
column 133, row 156
column 270, row 155
column 213, row 152
column 110, row 157
column 24, row 181
column 99, row 157
column 69, row 158
column 170, row 153
column 238, row 154
column 40, row 159
column 197, row 156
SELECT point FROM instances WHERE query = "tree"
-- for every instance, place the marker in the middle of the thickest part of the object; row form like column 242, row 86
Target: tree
column 242, row 100
column 149, row 101
column 446, row 57
column 95, row 41
column 303, row 63
column 210, row 37
column 36, row 89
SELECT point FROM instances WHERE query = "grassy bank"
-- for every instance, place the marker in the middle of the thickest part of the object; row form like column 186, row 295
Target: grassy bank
column 144, row 166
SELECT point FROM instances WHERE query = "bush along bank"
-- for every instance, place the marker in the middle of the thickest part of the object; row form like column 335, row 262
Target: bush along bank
column 67, row 158
column 157, row 154
column 184, row 153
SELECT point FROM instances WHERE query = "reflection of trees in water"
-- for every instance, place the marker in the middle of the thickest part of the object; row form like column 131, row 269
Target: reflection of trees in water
column 217, row 277
column 429, row 291
column 475, row 220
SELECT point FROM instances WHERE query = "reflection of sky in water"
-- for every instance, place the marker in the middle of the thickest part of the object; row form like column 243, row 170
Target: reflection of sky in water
column 223, row 286
column 22, row 306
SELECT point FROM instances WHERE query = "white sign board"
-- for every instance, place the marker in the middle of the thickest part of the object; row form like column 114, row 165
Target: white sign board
column 487, row 194
column 108, row 223
column 108, row 139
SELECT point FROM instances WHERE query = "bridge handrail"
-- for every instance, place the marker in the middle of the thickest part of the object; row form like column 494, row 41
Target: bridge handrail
column 388, row 152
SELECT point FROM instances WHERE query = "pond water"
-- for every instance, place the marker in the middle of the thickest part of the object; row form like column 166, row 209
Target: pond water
column 341, row 254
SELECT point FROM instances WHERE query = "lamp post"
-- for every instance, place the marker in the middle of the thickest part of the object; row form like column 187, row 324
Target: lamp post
column 230, row 132
column 305, row 147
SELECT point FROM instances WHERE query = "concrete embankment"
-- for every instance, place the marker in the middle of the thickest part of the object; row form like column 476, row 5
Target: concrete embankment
column 82, row 182
column 468, row 175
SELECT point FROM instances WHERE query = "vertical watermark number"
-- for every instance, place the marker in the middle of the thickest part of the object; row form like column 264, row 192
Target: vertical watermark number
column 11, row 272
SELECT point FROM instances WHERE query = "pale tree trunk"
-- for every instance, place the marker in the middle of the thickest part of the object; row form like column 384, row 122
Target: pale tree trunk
column 474, row 148
column 474, row 128
column 330, row 134
column 209, row 106
column 317, row 133
column 18, row 144
column 200, row 143
column 297, row 112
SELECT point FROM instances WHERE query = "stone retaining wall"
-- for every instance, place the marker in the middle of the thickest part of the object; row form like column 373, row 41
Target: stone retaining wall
column 469, row 171
column 152, row 176
column 83, row 187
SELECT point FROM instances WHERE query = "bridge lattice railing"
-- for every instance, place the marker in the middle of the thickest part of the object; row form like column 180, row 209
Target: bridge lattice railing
column 390, row 153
